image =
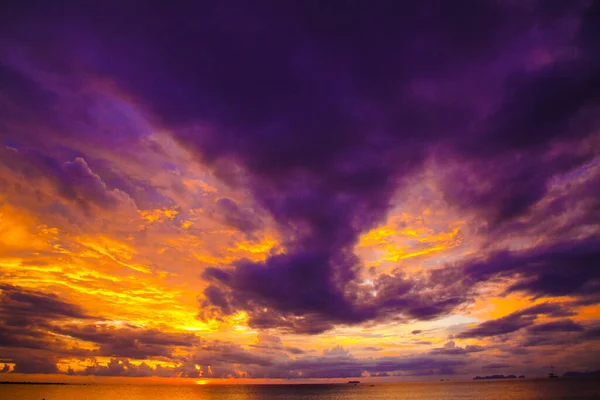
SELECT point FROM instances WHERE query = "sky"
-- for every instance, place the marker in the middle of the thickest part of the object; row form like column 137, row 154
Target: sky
column 273, row 191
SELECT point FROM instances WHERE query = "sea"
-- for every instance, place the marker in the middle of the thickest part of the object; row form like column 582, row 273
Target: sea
column 469, row 390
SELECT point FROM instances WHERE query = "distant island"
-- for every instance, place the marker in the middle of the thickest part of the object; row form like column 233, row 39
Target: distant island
column 353, row 382
column 478, row 378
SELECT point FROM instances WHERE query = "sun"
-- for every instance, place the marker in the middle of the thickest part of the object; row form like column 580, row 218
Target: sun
column 201, row 381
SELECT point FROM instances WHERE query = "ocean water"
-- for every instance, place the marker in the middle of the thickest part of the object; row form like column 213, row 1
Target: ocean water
column 481, row 390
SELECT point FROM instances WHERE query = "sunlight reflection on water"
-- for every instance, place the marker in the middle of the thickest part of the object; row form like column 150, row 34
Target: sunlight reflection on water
column 497, row 390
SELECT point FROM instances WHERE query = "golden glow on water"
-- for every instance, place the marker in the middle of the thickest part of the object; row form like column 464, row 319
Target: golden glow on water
column 377, row 390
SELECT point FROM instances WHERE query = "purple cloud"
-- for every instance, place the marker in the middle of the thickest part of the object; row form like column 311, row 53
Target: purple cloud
column 563, row 325
column 234, row 216
column 451, row 348
column 515, row 321
column 73, row 180
column 35, row 365
column 129, row 341
column 557, row 269
column 23, row 308
column 323, row 129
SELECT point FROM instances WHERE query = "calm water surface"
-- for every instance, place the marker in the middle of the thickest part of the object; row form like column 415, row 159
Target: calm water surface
column 497, row 390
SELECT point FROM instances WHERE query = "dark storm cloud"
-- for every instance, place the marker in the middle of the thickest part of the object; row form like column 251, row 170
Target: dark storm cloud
column 22, row 308
column 129, row 341
column 520, row 180
column 215, row 296
column 563, row 333
column 515, row 321
column 322, row 111
column 35, row 365
column 41, row 322
column 435, row 293
column 563, row 325
column 236, row 217
column 554, row 340
column 26, row 318
column 571, row 210
column 558, row 269
column 73, row 181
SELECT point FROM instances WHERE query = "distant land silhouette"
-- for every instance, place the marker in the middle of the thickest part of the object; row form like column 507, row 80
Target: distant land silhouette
column 477, row 378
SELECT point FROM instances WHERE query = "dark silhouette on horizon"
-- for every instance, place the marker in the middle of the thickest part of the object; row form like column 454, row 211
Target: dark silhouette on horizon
column 477, row 378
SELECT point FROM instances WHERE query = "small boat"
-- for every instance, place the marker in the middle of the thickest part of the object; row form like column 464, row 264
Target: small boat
column 353, row 382
column 552, row 375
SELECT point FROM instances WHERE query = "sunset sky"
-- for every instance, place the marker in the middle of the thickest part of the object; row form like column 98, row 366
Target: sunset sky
column 226, row 191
